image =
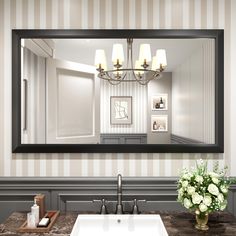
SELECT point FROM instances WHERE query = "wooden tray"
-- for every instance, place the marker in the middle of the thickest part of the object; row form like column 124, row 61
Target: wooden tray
column 24, row 229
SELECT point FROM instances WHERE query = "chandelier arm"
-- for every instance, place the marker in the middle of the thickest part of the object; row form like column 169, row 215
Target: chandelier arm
column 112, row 83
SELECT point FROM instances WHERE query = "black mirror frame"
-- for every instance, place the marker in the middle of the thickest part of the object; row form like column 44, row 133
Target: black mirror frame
column 218, row 147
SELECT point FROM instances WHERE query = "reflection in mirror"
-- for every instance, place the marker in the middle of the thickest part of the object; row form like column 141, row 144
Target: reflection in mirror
column 65, row 100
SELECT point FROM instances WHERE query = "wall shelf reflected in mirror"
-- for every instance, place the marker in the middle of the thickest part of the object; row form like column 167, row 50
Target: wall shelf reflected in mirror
column 61, row 103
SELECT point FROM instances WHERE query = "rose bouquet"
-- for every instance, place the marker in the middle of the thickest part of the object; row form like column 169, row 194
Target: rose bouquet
column 203, row 191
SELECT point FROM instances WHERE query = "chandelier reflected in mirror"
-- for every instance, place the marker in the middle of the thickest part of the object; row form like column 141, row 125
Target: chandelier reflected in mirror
column 145, row 69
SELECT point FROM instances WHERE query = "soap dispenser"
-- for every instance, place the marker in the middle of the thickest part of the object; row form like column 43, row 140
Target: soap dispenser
column 35, row 211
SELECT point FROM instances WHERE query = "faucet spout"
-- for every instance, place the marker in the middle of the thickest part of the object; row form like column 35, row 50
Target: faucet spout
column 119, row 207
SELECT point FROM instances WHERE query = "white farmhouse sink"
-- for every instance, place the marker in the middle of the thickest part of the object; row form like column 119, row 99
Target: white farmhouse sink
column 119, row 225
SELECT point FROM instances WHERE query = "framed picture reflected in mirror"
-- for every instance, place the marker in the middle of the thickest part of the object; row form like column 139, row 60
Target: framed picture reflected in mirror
column 121, row 110
column 159, row 123
column 159, row 102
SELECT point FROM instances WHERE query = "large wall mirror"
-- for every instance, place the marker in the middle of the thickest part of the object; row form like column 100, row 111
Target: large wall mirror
column 118, row 90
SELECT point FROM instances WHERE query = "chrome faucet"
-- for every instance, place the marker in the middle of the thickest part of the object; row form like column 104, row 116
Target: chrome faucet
column 119, row 206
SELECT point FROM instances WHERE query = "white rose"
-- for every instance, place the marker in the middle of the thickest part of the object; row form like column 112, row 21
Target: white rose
column 185, row 183
column 187, row 203
column 223, row 205
column 223, row 189
column 214, row 174
column 196, row 198
column 181, row 192
column 187, row 176
column 215, row 180
column 190, row 190
column 199, row 179
column 213, row 189
column 207, row 200
column 202, row 207
column 220, row 197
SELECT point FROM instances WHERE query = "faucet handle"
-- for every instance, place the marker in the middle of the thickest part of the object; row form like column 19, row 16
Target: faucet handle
column 142, row 200
column 103, row 205
column 135, row 207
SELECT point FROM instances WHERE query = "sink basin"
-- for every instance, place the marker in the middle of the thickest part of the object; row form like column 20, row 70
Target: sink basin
column 119, row 225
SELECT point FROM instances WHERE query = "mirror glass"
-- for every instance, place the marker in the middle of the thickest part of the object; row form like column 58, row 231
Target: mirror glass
column 63, row 100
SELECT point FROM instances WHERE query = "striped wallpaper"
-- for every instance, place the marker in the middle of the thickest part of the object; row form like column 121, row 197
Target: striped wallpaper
column 100, row 14
column 139, row 107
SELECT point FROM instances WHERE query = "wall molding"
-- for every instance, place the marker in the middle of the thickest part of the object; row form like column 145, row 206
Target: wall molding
column 120, row 138
column 76, row 194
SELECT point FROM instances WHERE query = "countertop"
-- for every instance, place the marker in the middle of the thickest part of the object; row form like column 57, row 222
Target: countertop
column 176, row 224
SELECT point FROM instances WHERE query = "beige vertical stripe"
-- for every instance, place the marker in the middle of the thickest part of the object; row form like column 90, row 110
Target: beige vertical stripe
column 114, row 14
column 13, row 25
column 24, row 12
column 203, row 14
column 177, row 163
column 75, row 14
column 102, row 171
column 227, row 84
column 102, row 14
column 150, row 164
column 25, row 165
column 36, row 14
column 60, row 156
column 191, row 14
column 36, row 164
column 126, row 14
column 48, row 159
column 138, row 164
column 60, row 14
column 215, row 14
column 49, row 14
column 90, row 14
column 176, row 14
column 90, row 164
column 73, row 165
column 150, row 14
column 138, row 14
column 162, row 14
column 126, row 164
column 13, row 14
column 162, row 164
column 1, row 87
column 114, row 163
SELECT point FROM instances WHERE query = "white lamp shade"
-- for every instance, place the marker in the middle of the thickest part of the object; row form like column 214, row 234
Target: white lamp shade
column 100, row 59
column 117, row 53
column 138, row 66
column 145, row 53
column 161, row 57
column 155, row 65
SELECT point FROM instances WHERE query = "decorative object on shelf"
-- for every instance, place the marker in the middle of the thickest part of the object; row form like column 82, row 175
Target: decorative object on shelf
column 121, row 110
column 203, row 191
column 159, row 123
column 40, row 200
column 140, row 72
column 159, row 102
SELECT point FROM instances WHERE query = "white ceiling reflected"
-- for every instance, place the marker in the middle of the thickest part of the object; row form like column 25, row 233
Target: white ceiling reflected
column 83, row 50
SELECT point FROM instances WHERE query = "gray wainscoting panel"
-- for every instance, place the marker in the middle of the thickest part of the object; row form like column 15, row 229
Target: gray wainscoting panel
column 123, row 138
column 77, row 194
